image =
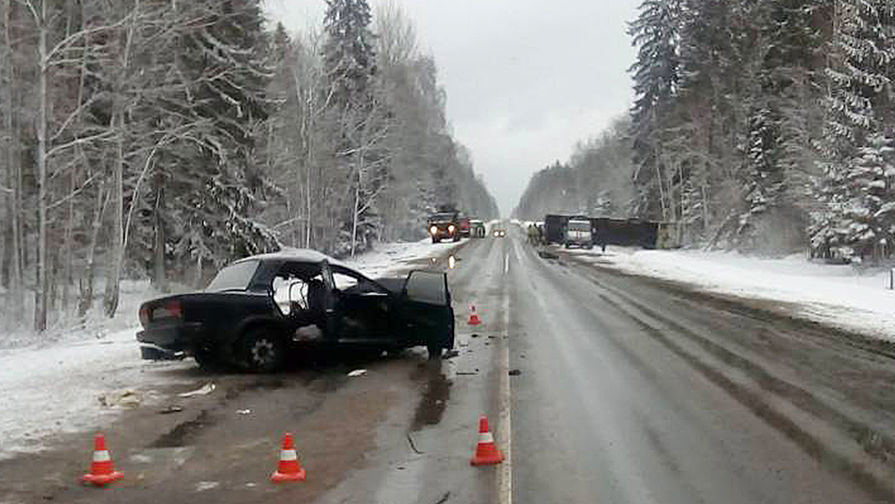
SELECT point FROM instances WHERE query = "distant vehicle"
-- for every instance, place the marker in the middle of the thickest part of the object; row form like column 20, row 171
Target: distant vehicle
column 477, row 228
column 498, row 232
column 579, row 233
column 555, row 229
column 465, row 230
column 445, row 224
column 259, row 309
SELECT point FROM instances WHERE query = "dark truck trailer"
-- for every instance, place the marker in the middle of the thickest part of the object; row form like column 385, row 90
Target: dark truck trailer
column 555, row 228
column 625, row 232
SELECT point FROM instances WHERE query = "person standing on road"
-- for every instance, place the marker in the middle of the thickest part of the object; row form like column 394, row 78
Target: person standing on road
column 532, row 235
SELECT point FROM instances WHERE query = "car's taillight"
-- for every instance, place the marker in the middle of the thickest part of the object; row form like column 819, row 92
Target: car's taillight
column 144, row 315
column 175, row 309
column 168, row 310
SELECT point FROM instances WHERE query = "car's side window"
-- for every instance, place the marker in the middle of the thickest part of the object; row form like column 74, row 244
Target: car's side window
column 343, row 281
column 290, row 292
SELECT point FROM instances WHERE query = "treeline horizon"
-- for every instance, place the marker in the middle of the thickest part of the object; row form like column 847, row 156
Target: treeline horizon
column 764, row 127
column 162, row 140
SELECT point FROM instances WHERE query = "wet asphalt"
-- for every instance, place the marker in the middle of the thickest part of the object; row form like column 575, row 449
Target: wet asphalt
column 625, row 390
column 637, row 391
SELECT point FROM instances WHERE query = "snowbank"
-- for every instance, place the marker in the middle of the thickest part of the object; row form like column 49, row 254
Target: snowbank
column 73, row 379
column 841, row 296
column 386, row 258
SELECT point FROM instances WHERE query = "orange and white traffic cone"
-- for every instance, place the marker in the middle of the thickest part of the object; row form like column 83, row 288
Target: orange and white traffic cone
column 473, row 316
column 486, row 452
column 102, row 469
column 289, row 468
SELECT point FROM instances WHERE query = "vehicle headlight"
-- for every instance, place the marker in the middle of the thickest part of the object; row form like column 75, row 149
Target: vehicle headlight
column 433, row 229
column 451, row 228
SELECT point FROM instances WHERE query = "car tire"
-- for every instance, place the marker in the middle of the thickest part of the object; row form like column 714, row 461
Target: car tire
column 434, row 351
column 456, row 238
column 435, row 240
column 261, row 351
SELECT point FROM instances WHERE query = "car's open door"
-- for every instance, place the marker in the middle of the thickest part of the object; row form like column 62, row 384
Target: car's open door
column 332, row 329
column 427, row 312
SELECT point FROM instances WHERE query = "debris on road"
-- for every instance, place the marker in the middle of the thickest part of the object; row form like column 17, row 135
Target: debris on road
column 206, row 485
column 203, row 390
column 243, row 412
column 171, row 409
column 450, row 354
column 357, row 372
column 413, row 445
column 515, row 372
column 466, row 373
column 474, row 336
column 125, row 399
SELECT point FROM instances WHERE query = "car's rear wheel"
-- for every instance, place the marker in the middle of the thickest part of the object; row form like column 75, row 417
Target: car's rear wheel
column 435, row 240
column 262, row 351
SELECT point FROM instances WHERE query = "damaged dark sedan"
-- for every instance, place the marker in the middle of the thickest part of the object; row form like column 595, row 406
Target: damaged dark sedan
column 259, row 309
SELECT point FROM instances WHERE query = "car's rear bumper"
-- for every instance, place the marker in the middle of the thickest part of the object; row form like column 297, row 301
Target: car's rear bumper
column 170, row 342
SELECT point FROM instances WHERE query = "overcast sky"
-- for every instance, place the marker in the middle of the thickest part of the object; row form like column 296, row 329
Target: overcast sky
column 525, row 79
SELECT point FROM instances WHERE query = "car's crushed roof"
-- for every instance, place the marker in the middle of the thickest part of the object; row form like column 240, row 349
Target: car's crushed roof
column 294, row 254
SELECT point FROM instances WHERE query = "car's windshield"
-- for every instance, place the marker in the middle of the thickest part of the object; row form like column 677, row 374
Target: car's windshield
column 441, row 217
column 234, row 277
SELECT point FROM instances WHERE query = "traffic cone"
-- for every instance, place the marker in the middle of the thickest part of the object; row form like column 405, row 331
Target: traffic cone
column 102, row 469
column 486, row 452
column 289, row 468
column 473, row 316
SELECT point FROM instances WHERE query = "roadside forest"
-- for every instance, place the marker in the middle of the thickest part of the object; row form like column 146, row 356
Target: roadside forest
column 163, row 139
column 762, row 126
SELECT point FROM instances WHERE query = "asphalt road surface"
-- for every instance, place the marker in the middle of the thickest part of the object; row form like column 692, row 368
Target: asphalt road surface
column 629, row 390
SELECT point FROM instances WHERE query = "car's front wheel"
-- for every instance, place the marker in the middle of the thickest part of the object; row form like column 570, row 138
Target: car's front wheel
column 262, row 351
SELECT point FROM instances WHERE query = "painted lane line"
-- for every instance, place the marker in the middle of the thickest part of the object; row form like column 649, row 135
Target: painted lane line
column 505, row 474
column 506, row 263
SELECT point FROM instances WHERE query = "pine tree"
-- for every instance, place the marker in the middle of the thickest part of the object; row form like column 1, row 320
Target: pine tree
column 357, row 116
column 214, row 184
column 856, row 149
column 777, row 150
column 656, row 75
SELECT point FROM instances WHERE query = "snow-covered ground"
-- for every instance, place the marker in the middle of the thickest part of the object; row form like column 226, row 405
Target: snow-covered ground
column 73, row 379
column 841, row 296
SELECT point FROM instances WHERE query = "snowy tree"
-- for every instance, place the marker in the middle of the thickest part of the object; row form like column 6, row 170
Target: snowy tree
column 656, row 74
column 856, row 148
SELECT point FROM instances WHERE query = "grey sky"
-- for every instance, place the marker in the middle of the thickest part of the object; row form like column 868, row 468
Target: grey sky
column 525, row 79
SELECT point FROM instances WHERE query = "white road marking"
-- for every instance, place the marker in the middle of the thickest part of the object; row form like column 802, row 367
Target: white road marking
column 506, row 264
column 505, row 475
